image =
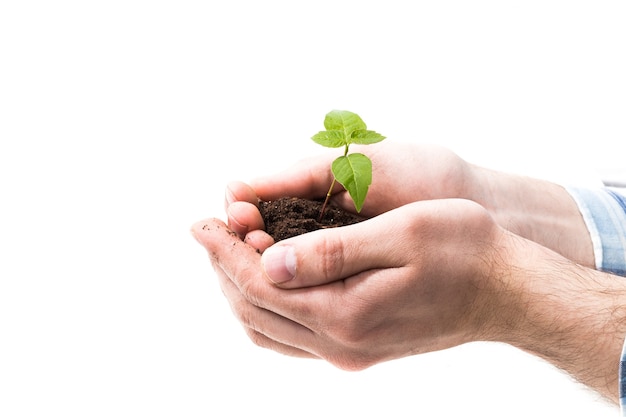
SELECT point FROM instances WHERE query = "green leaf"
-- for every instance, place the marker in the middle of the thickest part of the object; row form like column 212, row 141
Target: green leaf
column 330, row 138
column 365, row 137
column 345, row 121
column 354, row 172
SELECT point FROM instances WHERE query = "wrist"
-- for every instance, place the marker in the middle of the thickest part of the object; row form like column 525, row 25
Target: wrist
column 573, row 317
column 538, row 210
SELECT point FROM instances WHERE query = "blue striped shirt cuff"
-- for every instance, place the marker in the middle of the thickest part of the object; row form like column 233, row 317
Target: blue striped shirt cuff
column 604, row 212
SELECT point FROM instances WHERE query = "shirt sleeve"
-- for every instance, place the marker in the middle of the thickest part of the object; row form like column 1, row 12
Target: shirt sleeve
column 604, row 212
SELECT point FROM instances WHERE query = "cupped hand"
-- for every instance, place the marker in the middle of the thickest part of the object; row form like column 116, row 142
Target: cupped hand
column 415, row 279
column 402, row 173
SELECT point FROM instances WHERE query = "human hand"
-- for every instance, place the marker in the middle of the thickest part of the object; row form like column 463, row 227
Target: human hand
column 402, row 173
column 415, row 279
column 423, row 277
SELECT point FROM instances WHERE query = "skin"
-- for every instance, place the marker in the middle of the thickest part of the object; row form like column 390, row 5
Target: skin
column 453, row 253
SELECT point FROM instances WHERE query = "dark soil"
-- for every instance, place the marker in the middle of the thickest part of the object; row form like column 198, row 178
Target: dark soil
column 288, row 217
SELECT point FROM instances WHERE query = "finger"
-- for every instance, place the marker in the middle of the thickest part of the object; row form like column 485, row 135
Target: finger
column 329, row 255
column 255, row 302
column 239, row 191
column 309, row 178
column 224, row 247
column 260, row 325
column 259, row 240
column 263, row 341
column 244, row 217
column 241, row 263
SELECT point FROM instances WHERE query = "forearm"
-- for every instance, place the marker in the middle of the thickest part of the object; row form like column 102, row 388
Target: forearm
column 572, row 316
column 538, row 210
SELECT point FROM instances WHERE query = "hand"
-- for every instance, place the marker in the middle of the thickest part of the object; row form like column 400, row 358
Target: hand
column 403, row 173
column 415, row 279
column 423, row 277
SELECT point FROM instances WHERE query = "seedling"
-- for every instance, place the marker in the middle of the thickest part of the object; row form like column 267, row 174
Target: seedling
column 353, row 171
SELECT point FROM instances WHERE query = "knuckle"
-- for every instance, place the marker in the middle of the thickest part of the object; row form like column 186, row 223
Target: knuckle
column 351, row 336
column 330, row 252
column 351, row 361
column 257, row 338
column 352, row 333
column 243, row 313
column 250, row 293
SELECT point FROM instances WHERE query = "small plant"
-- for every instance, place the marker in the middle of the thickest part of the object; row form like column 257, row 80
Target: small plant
column 353, row 171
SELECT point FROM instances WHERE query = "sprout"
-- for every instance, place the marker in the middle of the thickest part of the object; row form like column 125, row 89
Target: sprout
column 353, row 171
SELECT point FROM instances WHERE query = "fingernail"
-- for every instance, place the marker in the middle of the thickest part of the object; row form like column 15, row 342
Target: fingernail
column 229, row 196
column 279, row 263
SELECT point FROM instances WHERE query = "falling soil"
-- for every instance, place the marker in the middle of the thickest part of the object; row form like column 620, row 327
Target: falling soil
column 288, row 217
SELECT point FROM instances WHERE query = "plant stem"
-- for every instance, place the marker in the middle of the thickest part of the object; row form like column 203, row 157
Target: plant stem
column 332, row 185
column 330, row 191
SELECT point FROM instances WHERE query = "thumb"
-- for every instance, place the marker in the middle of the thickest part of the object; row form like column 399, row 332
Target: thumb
column 329, row 255
column 309, row 178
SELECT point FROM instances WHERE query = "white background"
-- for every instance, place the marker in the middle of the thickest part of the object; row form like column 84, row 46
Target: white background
column 121, row 122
